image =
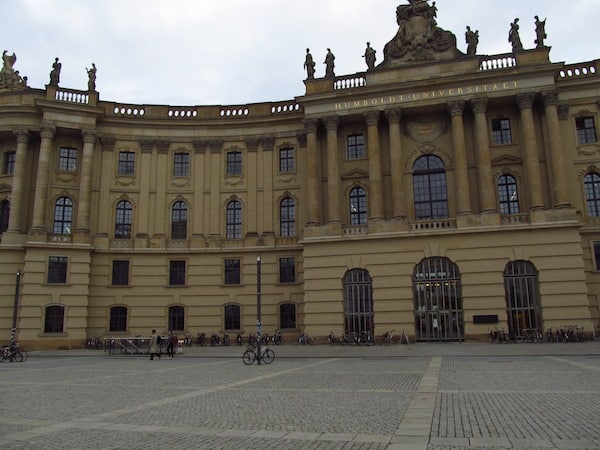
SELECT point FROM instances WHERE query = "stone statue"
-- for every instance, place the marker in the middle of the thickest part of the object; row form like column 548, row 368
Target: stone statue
column 55, row 73
column 370, row 56
column 472, row 39
column 91, row 77
column 540, row 32
column 513, row 36
column 10, row 78
column 329, row 64
column 419, row 38
column 309, row 65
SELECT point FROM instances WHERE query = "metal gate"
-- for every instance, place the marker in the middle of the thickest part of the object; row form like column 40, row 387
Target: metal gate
column 522, row 299
column 358, row 302
column 437, row 293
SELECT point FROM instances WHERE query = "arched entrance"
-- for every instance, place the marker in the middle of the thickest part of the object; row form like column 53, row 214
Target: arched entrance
column 522, row 298
column 437, row 293
column 358, row 302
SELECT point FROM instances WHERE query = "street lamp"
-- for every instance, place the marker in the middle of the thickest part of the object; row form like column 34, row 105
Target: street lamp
column 258, row 311
column 13, row 331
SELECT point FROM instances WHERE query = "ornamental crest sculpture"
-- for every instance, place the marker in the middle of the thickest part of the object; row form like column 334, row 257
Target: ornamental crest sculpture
column 419, row 38
column 10, row 78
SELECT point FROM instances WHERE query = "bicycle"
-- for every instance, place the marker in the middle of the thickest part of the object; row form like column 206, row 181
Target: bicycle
column 251, row 354
column 11, row 354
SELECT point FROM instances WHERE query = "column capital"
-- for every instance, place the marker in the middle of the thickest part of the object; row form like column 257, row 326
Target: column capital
column 107, row 143
column 47, row 131
column 22, row 136
column 456, row 107
column 311, row 125
column 525, row 100
column 89, row 136
column 331, row 123
column 393, row 115
column 268, row 143
column 146, row 146
column 479, row 105
column 550, row 98
column 371, row 117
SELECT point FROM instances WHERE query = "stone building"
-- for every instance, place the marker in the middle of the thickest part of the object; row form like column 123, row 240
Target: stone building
column 438, row 193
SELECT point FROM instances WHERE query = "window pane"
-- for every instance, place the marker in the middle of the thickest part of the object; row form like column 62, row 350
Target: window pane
column 287, row 316
column 67, row 159
column 287, row 213
column 286, row 160
column 126, row 163
column 123, row 220
column 54, row 319
column 120, row 273
column 234, row 163
column 430, row 190
column 592, row 193
column 118, row 318
column 358, row 206
column 176, row 318
column 234, row 220
column 63, row 216
column 181, row 165
column 287, row 270
column 232, row 317
column 586, row 130
column 57, row 269
column 8, row 166
column 232, row 271
column 501, row 133
column 355, row 147
column 4, row 215
column 177, row 273
column 179, row 215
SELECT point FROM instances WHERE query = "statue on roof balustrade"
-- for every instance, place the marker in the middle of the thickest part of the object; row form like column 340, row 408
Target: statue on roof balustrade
column 419, row 38
column 9, row 77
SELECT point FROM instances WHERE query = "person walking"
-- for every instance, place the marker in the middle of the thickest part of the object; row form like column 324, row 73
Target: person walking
column 154, row 345
column 171, row 345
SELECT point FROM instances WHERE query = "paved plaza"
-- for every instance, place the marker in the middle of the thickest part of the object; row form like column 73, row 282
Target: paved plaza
column 419, row 396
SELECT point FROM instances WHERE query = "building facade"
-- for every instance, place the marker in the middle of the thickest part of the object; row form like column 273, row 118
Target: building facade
column 441, row 194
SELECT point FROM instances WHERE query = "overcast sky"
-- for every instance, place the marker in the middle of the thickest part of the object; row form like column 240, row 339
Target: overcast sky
column 231, row 52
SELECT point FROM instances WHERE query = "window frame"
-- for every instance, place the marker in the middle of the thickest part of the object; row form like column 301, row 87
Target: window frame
column 287, row 273
column 67, row 159
column 430, row 188
column 233, row 220
column 288, row 321
column 508, row 205
column 4, row 215
column 232, row 315
column 357, row 206
column 117, row 323
column 287, row 217
column 176, row 318
column 123, row 219
column 54, row 323
column 287, row 160
column 501, row 131
column 592, row 187
column 355, row 147
column 120, row 275
column 63, row 216
column 8, row 162
column 232, row 271
column 179, row 220
column 586, row 135
column 126, row 163
column 181, row 165
column 58, row 267
column 177, row 272
column 234, row 163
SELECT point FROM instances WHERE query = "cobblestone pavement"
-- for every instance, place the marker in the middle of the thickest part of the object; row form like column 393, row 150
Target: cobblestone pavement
column 421, row 396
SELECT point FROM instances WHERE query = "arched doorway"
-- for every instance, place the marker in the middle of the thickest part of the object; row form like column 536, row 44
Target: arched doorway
column 358, row 302
column 437, row 293
column 522, row 298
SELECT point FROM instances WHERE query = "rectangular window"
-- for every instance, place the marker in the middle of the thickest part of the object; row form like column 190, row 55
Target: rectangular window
column 287, row 163
column 8, row 165
column 181, row 165
column 232, row 271
column 176, row 273
column 232, row 317
column 234, row 163
column 287, row 316
column 54, row 321
column 118, row 319
column 126, row 163
column 355, row 146
column 120, row 273
column 67, row 159
column 287, row 270
column 596, row 251
column 501, row 133
column 57, row 270
column 586, row 130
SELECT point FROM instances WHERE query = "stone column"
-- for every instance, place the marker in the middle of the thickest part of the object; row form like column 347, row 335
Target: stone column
column 200, row 188
column 532, row 161
column 487, row 189
column 559, row 178
column 333, row 170
column 397, row 168
column 106, row 177
column 43, row 175
column 312, row 173
column 214, row 209
column 162, row 179
column 461, row 172
column 269, row 205
column 252, row 186
column 144, row 211
column 375, row 207
column 18, row 184
column 85, row 183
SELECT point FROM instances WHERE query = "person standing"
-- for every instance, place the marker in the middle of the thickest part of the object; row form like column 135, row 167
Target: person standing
column 171, row 345
column 154, row 348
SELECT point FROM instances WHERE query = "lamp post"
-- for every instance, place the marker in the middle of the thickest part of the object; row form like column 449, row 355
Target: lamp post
column 258, row 311
column 13, row 331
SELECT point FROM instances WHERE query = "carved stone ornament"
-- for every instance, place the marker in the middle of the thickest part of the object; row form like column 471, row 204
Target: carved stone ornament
column 10, row 78
column 425, row 132
column 419, row 38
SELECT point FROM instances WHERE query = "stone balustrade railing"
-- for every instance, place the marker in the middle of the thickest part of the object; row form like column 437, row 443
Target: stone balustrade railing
column 580, row 70
column 496, row 62
column 432, row 225
column 72, row 96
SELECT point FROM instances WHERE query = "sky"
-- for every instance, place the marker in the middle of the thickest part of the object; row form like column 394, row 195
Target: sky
column 234, row 52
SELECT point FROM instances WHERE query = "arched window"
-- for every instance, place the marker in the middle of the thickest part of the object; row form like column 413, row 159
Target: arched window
column 358, row 206
column 287, row 316
column 54, row 319
column 358, row 302
column 234, row 220
column 123, row 220
column 592, row 193
column 522, row 298
column 179, row 217
column 176, row 318
column 232, row 317
column 430, row 190
column 4, row 215
column 63, row 216
column 507, row 195
column 118, row 318
column 437, row 292
column 287, row 214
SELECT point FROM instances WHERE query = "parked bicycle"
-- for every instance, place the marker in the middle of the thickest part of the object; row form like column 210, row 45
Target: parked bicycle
column 305, row 339
column 251, row 355
column 11, row 354
column 388, row 337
